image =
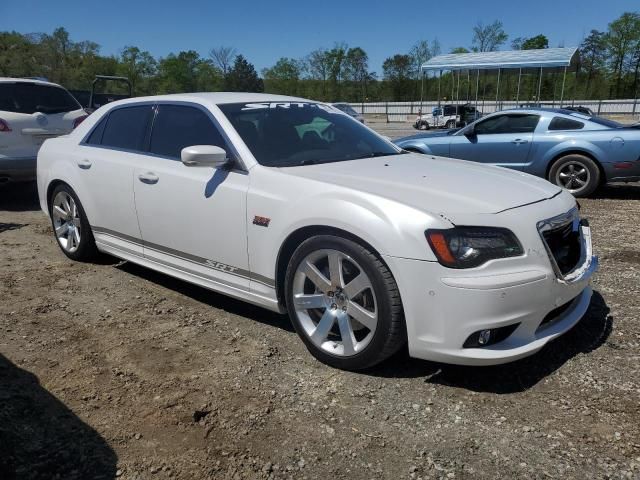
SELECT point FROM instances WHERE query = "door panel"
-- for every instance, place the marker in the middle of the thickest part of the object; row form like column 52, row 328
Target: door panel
column 194, row 219
column 503, row 140
column 107, row 176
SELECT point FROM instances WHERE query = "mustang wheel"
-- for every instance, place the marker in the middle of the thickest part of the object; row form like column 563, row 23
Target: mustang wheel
column 577, row 173
column 70, row 225
column 344, row 303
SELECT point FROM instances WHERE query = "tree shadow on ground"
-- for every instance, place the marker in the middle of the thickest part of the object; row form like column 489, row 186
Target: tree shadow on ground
column 588, row 335
column 209, row 297
column 40, row 438
column 19, row 197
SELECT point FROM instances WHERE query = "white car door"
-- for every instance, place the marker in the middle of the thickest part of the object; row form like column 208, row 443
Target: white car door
column 192, row 218
column 106, row 161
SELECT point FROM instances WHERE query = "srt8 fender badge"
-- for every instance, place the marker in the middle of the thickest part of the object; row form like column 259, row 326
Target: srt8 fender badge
column 261, row 221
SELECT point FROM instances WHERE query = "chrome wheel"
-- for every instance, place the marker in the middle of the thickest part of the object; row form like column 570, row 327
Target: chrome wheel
column 66, row 221
column 573, row 176
column 334, row 302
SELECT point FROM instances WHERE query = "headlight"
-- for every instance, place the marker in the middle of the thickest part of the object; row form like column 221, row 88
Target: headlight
column 468, row 247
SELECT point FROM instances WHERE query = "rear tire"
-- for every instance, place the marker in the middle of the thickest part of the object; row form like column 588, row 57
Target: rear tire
column 423, row 126
column 450, row 124
column 577, row 173
column 344, row 303
column 70, row 225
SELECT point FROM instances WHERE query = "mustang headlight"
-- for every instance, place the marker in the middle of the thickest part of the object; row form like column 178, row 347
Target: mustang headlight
column 468, row 247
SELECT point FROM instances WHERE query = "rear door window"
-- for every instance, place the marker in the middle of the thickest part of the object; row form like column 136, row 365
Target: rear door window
column 29, row 98
column 178, row 126
column 127, row 128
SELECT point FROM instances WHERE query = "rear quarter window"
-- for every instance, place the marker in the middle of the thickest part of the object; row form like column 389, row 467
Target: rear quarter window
column 560, row 123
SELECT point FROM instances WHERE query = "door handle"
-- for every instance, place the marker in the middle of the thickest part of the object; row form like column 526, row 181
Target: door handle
column 519, row 141
column 84, row 164
column 149, row 178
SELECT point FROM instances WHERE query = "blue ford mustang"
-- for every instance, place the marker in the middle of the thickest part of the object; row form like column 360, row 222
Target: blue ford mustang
column 573, row 150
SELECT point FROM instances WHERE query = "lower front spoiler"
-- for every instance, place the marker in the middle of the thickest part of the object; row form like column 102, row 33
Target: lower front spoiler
column 513, row 348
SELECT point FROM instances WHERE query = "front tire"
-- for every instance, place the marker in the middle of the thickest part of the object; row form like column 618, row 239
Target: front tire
column 70, row 225
column 344, row 303
column 423, row 126
column 577, row 173
column 450, row 124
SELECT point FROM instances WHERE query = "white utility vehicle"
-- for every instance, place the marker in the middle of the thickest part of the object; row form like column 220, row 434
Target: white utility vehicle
column 30, row 112
column 447, row 116
column 292, row 205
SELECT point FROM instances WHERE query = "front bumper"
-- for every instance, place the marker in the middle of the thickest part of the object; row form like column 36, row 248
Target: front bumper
column 444, row 307
column 17, row 169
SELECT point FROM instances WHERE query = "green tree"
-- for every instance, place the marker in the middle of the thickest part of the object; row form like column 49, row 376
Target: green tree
column 593, row 56
column 139, row 67
column 622, row 37
column 283, row 77
column 398, row 72
column 488, row 38
column 539, row 41
column 459, row 50
column 356, row 71
column 243, row 77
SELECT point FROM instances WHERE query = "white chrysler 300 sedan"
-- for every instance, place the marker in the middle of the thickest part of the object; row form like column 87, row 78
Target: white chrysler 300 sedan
column 292, row 205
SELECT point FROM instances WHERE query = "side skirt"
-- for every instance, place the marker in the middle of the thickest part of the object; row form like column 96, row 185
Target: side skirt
column 216, row 286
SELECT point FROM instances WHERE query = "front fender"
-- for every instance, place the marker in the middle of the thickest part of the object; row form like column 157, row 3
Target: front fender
column 415, row 146
column 389, row 227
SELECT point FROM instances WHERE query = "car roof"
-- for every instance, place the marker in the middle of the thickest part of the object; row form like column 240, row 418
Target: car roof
column 218, row 98
column 562, row 111
column 28, row 80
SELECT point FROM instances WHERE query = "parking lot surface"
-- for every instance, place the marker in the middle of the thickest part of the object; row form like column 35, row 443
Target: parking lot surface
column 110, row 370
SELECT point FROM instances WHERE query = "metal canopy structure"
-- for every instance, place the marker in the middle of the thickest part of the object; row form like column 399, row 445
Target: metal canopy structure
column 540, row 58
column 510, row 59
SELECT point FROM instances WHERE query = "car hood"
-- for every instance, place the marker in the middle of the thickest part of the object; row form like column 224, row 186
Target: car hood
column 434, row 184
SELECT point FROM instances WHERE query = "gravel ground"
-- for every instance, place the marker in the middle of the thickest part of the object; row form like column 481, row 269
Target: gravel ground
column 110, row 370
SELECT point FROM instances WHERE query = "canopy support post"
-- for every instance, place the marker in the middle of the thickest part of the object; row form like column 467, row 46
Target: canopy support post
column 477, row 87
column 498, row 89
column 468, row 85
column 518, row 91
column 564, row 78
column 458, row 89
column 439, row 85
column 539, row 87
column 422, row 73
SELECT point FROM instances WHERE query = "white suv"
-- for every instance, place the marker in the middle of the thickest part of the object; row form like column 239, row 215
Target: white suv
column 30, row 112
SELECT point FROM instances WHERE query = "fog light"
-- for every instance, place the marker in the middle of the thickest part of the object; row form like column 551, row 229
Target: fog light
column 491, row 336
column 484, row 336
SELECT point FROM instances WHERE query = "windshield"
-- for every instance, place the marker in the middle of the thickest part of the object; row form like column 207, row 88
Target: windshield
column 27, row 97
column 282, row 134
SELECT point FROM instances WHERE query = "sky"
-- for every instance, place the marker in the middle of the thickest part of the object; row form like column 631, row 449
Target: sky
column 264, row 31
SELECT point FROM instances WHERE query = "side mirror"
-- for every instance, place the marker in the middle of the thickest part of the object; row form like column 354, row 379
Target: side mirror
column 203, row 156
